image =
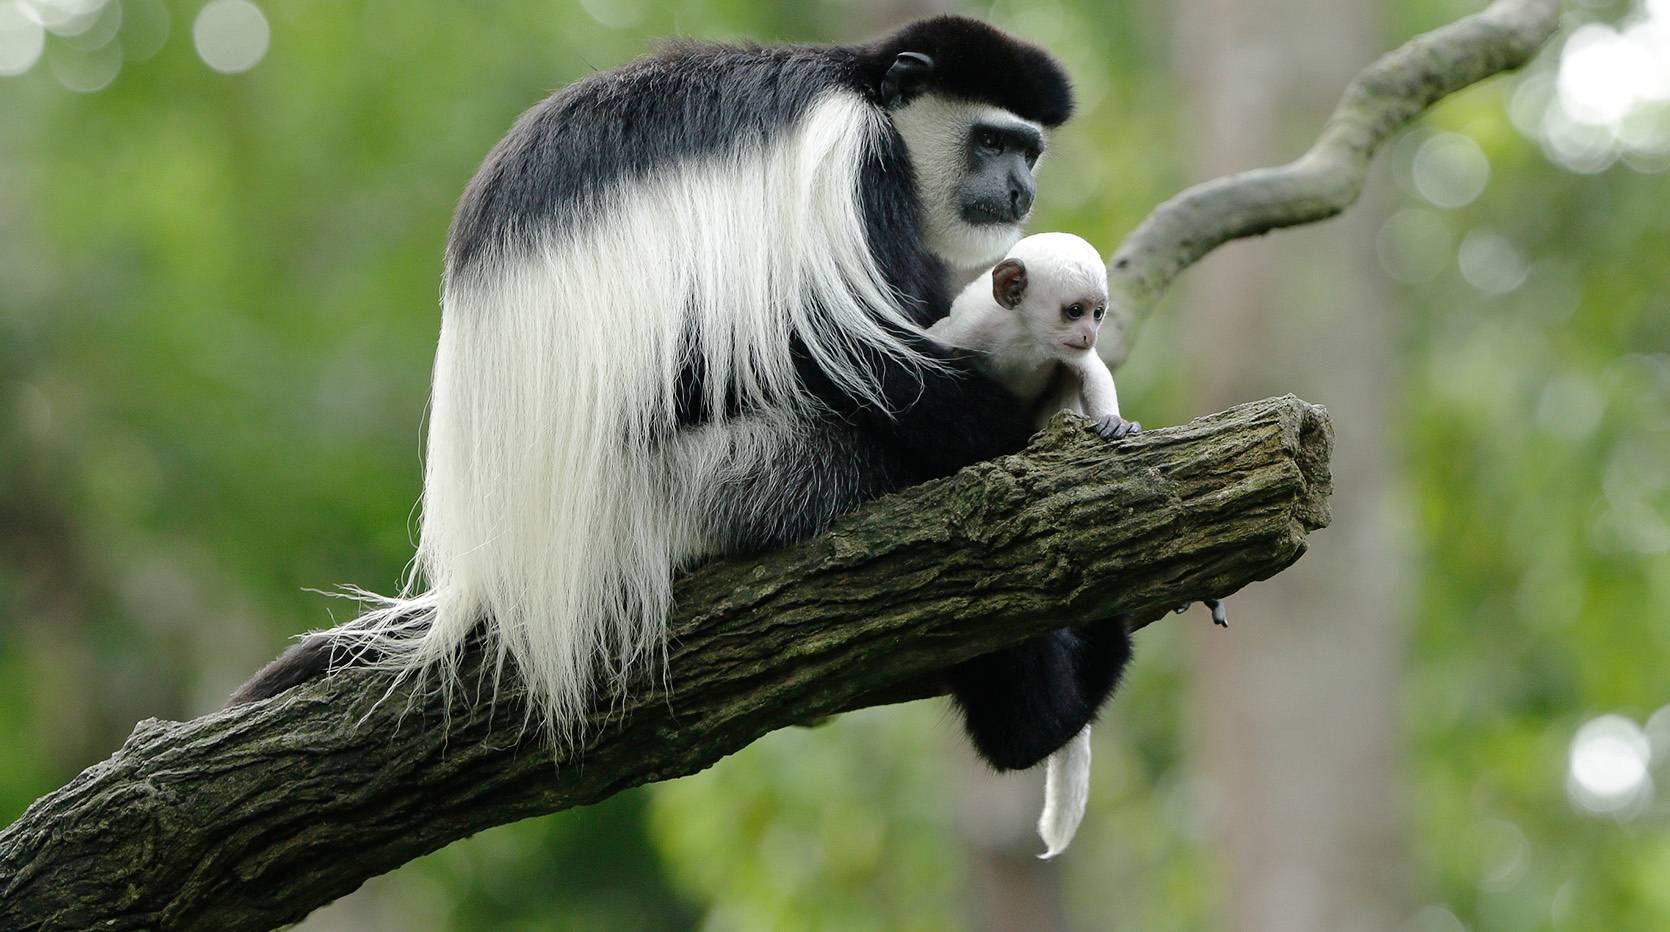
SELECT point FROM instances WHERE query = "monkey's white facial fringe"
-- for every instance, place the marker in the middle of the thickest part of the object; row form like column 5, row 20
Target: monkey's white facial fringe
column 1066, row 791
column 558, row 498
column 935, row 130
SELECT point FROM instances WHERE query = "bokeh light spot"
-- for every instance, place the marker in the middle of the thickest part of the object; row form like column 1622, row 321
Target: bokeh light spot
column 1450, row 170
column 1530, row 100
column 1608, row 772
column 1634, row 484
column 101, row 28
column 1607, row 99
column 231, row 35
column 1603, row 73
column 85, row 71
column 1646, row 129
column 21, row 39
column 72, row 17
column 61, row 17
column 1577, row 146
column 1507, row 852
column 1490, row 262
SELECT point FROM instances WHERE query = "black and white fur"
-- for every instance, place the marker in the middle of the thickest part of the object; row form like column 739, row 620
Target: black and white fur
column 1034, row 318
column 683, row 314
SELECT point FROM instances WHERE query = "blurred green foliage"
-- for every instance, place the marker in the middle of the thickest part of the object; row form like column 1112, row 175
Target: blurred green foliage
column 217, row 309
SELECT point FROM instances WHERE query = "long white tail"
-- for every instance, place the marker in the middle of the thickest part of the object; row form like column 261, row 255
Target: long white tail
column 1066, row 790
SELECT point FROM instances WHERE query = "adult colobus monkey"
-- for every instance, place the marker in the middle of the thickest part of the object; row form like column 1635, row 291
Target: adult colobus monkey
column 681, row 317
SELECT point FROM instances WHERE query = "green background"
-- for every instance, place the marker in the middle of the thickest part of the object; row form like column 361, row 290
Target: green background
column 218, row 305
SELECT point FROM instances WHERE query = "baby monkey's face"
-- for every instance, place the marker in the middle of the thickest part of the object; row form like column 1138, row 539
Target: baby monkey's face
column 1061, row 305
column 1070, row 319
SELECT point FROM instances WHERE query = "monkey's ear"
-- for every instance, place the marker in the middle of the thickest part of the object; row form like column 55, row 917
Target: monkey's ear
column 905, row 78
column 1009, row 282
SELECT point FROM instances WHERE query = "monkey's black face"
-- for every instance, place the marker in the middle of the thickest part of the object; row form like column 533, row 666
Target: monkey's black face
column 997, row 187
column 974, row 167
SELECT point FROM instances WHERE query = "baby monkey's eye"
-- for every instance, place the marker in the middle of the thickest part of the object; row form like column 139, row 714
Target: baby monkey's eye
column 1073, row 311
column 990, row 140
column 1100, row 310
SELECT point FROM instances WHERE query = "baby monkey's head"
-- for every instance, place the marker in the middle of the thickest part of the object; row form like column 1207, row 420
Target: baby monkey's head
column 1058, row 285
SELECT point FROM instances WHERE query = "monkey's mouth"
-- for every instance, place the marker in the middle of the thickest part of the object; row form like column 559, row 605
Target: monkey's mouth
column 991, row 213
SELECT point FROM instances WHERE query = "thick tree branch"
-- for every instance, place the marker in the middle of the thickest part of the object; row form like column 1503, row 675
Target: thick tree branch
column 1328, row 178
column 254, row 816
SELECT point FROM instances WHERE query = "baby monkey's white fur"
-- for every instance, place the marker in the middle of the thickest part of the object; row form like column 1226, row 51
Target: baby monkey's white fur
column 1017, row 318
column 1019, row 315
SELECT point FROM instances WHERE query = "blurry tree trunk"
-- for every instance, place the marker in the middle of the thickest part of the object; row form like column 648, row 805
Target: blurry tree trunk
column 997, row 818
column 1297, row 704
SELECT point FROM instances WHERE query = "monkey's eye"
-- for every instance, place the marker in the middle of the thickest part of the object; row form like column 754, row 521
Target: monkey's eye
column 1100, row 310
column 1073, row 311
column 988, row 139
column 1032, row 153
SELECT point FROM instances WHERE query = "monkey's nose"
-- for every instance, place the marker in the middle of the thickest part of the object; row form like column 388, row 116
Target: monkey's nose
column 1020, row 200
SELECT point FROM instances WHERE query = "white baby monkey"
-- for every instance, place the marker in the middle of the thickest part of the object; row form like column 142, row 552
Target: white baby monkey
column 1034, row 317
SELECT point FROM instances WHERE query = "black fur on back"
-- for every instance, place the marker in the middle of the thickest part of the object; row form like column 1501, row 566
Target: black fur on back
column 694, row 99
column 687, row 101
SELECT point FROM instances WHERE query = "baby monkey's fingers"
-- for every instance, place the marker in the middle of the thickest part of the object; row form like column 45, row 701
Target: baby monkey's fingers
column 1114, row 427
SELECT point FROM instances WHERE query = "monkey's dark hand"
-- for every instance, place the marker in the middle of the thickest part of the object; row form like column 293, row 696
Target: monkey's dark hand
column 1220, row 615
column 1114, row 427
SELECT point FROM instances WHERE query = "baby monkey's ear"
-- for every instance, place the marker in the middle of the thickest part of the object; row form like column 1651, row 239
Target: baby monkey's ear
column 1009, row 282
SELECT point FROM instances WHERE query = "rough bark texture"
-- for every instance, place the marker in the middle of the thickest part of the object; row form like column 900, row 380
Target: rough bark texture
column 253, row 816
column 1327, row 179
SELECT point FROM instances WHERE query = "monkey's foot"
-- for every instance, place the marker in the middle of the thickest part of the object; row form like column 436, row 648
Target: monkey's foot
column 1220, row 615
column 1114, row 427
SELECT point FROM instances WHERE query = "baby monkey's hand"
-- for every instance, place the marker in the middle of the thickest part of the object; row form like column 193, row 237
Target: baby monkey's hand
column 1114, row 427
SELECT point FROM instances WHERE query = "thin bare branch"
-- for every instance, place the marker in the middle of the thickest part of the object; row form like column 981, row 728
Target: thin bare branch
column 1326, row 180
